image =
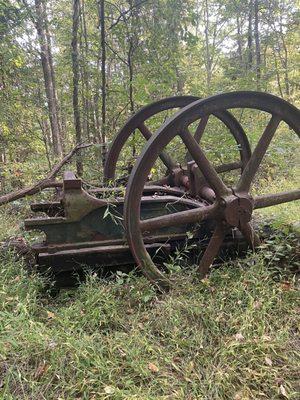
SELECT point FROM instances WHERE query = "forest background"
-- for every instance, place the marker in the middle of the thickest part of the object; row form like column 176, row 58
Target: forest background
column 74, row 71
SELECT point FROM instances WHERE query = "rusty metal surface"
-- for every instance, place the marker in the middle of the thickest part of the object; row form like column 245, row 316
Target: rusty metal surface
column 133, row 123
column 148, row 190
column 105, row 256
column 233, row 206
column 137, row 121
column 268, row 200
column 52, row 209
column 86, row 228
column 88, row 222
column 106, row 223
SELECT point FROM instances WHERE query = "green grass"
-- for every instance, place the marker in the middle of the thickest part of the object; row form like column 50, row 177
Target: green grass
column 9, row 222
column 232, row 336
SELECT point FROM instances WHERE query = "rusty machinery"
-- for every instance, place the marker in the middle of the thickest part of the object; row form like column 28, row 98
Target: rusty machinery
column 190, row 202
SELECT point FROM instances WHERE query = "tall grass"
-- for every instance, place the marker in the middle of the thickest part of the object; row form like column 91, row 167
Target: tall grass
column 232, row 336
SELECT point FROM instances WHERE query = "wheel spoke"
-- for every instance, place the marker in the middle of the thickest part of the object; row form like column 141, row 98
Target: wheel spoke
column 180, row 218
column 159, row 182
column 211, row 250
column 204, row 164
column 250, row 234
column 201, row 128
column 198, row 134
column 229, row 166
column 165, row 158
column 145, row 131
column 219, row 168
column 268, row 200
column 258, row 154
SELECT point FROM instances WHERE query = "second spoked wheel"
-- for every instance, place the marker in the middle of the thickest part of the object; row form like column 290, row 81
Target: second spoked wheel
column 141, row 122
column 229, row 206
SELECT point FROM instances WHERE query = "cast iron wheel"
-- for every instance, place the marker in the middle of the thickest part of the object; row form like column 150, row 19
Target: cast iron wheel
column 138, row 122
column 233, row 206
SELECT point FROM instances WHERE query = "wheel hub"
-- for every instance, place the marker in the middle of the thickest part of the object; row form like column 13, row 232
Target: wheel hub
column 238, row 209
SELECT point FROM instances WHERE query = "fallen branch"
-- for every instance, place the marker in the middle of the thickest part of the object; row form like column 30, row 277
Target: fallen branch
column 48, row 181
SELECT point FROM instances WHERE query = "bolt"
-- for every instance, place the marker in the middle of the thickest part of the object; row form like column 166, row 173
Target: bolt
column 223, row 202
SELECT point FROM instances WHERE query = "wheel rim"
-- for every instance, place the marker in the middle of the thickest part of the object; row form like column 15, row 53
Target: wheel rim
column 137, row 121
column 230, row 201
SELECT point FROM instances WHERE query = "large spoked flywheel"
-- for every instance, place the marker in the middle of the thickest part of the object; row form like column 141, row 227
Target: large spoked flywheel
column 140, row 122
column 229, row 206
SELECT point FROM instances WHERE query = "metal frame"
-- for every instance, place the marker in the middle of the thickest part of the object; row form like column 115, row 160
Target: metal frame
column 138, row 122
column 77, row 228
column 231, row 206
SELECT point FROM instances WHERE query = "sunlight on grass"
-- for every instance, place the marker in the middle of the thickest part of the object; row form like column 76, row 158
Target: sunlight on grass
column 9, row 222
column 231, row 336
column 286, row 213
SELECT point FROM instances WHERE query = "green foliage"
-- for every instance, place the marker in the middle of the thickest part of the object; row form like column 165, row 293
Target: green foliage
column 230, row 336
column 176, row 47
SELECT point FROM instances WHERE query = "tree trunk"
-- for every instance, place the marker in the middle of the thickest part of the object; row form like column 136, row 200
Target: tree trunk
column 284, row 60
column 103, row 77
column 277, row 72
column 51, row 64
column 75, row 68
column 250, row 49
column 130, row 72
column 286, row 72
column 208, row 63
column 133, row 42
column 239, row 39
column 88, row 111
column 96, row 97
column 48, row 72
column 257, row 45
column 45, row 137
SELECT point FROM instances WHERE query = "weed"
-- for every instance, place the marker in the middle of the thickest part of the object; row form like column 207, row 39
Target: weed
column 231, row 336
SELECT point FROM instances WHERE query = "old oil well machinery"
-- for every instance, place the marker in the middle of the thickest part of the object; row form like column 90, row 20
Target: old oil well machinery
column 189, row 202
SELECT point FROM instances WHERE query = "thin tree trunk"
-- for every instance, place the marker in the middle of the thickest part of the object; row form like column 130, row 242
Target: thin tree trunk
column 131, row 99
column 207, row 49
column 51, row 64
column 277, row 73
column 250, row 49
column 285, row 66
column 41, row 22
column 45, row 134
column 84, row 101
column 179, row 81
column 239, row 39
column 75, row 67
column 284, row 60
column 96, row 97
column 257, row 45
column 133, row 42
column 130, row 71
column 284, row 63
column 89, row 119
column 103, row 77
